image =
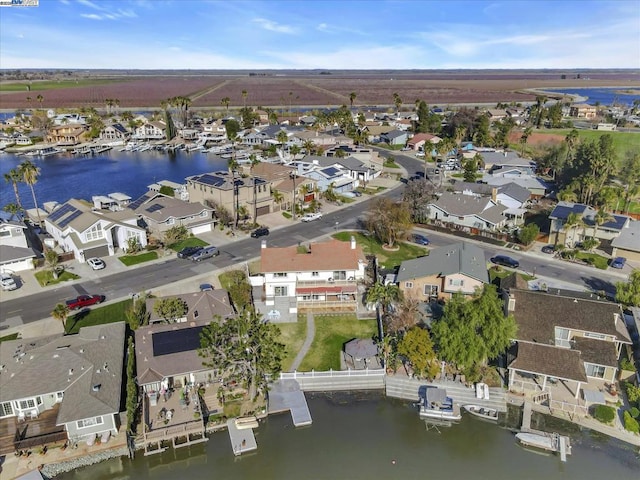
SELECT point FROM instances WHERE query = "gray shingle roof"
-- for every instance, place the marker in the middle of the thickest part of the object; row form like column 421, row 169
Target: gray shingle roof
column 72, row 364
column 515, row 191
column 629, row 238
column 549, row 360
column 462, row 257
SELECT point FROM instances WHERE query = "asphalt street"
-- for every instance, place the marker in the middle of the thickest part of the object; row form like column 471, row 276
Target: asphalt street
column 120, row 285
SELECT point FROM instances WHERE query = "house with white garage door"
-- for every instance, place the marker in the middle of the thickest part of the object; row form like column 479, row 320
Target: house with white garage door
column 90, row 232
column 15, row 253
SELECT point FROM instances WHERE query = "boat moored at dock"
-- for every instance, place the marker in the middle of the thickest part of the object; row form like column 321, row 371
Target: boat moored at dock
column 435, row 403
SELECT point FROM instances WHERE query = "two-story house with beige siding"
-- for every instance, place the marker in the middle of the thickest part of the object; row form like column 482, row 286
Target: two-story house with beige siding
column 460, row 267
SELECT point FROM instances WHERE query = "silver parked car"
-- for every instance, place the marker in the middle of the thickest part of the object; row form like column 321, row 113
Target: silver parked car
column 206, row 252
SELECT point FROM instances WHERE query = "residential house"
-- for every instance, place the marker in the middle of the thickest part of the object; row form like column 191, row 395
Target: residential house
column 224, row 190
column 569, row 235
column 115, row 132
column 319, row 139
column 60, row 387
column 150, row 131
column 285, row 179
column 582, row 110
column 418, row 141
column 334, row 177
column 179, row 189
column 467, row 212
column 21, row 139
column 374, row 132
column 350, row 166
column 395, row 137
column 627, row 243
column 158, row 213
column 205, row 306
column 511, row 195
column 89, row 232
column 460, row 267
column 496, row 114
column 69, row 118
column 495, row 160
column 316, row 277
column 564, row 345
column 15, row 253
column 66, row 134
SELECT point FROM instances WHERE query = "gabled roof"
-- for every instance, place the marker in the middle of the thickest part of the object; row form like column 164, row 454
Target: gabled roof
column 464, row 258
column 548, row 360
column 393, row 134
column 200, row 305
column 73, row 364
column 11, row 219
column 160, row 208
column 460, row 205
column 563, row 209
column 537, row 314
column 515, row 191
column 629, row 238
column 322, row 256
column 423, row 137
column 9, row 253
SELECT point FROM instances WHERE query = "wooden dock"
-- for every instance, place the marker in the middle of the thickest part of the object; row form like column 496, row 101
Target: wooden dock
column 561, row 443
column 242, row 439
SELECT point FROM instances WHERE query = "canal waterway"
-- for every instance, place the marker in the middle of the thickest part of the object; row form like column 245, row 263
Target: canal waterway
column 64, row 176
column 366, row 436
column 603, row 96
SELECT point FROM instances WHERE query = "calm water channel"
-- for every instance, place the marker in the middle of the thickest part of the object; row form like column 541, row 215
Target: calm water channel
column 365, row 436
column 65, row 175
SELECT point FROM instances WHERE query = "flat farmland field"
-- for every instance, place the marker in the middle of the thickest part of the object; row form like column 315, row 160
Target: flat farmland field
column 131, row 92
column 306, row 89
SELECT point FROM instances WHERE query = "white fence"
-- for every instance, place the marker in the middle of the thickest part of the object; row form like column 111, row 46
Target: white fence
column 334, row 380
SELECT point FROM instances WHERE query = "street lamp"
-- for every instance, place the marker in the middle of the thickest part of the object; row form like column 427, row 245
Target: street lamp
column 293, row 176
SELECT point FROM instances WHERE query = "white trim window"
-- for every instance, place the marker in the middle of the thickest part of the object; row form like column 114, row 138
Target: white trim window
column 456, row 282
column 6, row 409
column 595, row 371
column 94, row 233
column 281, row 291
column 408, row 284
column 89, row 422
column 431, row 290
column 562, row 337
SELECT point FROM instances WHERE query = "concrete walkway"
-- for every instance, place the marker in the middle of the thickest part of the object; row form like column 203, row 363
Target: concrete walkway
column 311, row 332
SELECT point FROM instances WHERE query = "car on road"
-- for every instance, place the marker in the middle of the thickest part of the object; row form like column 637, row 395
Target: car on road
column 420, row 154
column 206, row 287
column 618, row 262
column 357, row 193
column 82, row 301
column 505, row 261
column 187, row 252
column 310, row 217
column 419, row 239
column 548, row 249
column 204, row 253
column 96, row 263
column 260, row 232
column 8, row 282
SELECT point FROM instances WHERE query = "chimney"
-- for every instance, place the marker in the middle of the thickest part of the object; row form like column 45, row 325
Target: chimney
column 353, row 242
column 494, row 194
column 263, row 244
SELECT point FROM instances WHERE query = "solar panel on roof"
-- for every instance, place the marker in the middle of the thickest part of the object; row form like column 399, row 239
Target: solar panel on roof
column 330, row 171
column 135, row 204
column 176, row 341
column 154, row 208
column 60, row 212
column 65, row 221
column 211, row 180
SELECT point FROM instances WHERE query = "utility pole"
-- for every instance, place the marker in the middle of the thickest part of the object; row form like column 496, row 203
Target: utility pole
column 293, row 207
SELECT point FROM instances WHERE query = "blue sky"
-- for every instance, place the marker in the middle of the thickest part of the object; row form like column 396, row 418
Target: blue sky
column 306, row 34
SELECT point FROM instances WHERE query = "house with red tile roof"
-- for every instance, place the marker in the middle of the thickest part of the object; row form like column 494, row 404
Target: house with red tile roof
column 315, row 276
column 419, row 140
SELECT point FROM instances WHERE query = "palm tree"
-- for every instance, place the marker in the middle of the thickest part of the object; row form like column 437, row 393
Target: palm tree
column 524, row 137
column 600, row 218
column 294, row 150
column 277, row 197
column 282, row 139
column 225, row 102
column 30, row 175
column 397, row 101
column 40, row 99
column 244, row 97
column 61, row 312
column 309, row 146
column 573, row 221
column 51, row 259
column 571, row 140
column 12, row 208
column 383, row 296
column 352, row 98
column 14, row 176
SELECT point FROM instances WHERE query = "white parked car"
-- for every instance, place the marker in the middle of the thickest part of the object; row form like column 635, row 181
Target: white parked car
column 96, row 263
column 310, row 217
column 8, row 283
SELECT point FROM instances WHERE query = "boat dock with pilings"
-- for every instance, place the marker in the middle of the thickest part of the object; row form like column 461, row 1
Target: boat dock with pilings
column 552, row 442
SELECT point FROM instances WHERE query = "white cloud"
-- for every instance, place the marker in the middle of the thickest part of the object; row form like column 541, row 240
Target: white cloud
column 91, row 16
column 90, row 4
column 110, row 16
column 274, row 26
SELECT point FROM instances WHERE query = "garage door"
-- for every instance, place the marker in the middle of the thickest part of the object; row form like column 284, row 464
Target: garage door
column 102, row 251
column 262, row 210
column 201, row 229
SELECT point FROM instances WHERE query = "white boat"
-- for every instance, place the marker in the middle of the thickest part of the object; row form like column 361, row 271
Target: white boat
column 436, row 404
column 482, row 412
column 246, row 422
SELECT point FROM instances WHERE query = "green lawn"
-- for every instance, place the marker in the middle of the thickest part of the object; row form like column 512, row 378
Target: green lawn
column 332, row 331
column 114, row 312
column 188, row 242
column 622, row 141
column 45, row 277
column 6, row 338
column 292, row 335
column 594, row 259
column 129, row 260
column 390, row 163
column 387, row 259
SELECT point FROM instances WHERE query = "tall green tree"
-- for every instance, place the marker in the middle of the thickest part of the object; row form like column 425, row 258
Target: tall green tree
column 417, row 195
column 52, row 259
column 60, row 313
column 352, row 98
column 417, row 348
column 171, row 309
column 472, row 331
column 383, row 296
column 30, row 174
column 14, row 176
column 628, row 293
column 225, row 102
column 388, row 220
column 245, row 349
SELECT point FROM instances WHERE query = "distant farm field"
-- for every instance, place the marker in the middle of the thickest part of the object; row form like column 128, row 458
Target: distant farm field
column 622, row 141
column 308, row 89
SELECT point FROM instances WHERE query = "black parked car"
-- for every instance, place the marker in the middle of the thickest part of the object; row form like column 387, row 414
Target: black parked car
column 188, row 252
column 548, row 249
column 260, row 232
column 505, row 261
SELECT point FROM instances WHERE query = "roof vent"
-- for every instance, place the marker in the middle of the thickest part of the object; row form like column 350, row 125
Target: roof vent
column 106, row 367
column 575, row 300
column 71, row 371
column 96, row 388
column 102, row 337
